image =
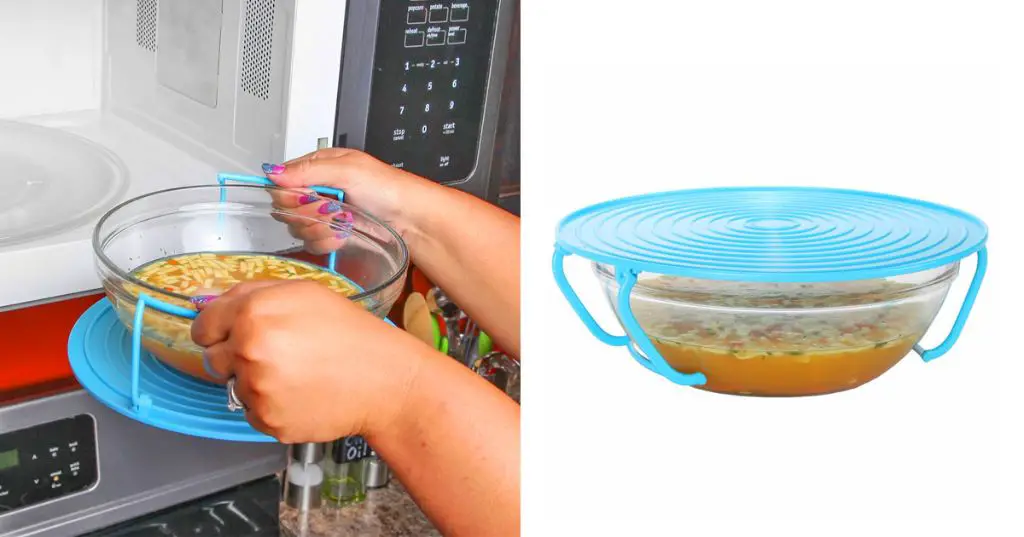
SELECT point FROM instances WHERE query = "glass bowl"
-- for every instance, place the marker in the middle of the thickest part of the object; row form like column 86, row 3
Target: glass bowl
column 783, row 339
column 370, row 256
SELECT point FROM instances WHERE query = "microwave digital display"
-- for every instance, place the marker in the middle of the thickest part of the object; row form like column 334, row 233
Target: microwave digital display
column 8, row 459
column 429, row 84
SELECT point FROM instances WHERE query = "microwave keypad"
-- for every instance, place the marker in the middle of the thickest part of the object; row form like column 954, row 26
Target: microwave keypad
column 429, row 83
column 47, row 461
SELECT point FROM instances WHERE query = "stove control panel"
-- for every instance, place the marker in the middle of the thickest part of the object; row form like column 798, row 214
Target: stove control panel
column 429, row 83
column 47, row 461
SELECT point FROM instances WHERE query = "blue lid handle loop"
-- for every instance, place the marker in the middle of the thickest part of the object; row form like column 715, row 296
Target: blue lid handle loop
column 646, row 354
column 223, row 178
column 140, row 401
column 965, row 311
column 640, row 343
column 558, row 268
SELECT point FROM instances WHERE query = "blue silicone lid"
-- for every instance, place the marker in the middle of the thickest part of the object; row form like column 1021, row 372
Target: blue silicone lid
column 100, row 352
column 772, row 234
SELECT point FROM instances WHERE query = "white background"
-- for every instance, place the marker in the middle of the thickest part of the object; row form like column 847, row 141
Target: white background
column 922, row 99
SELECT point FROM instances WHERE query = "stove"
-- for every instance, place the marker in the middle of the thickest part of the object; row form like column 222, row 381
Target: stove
column 249, row 510
column 70, row 464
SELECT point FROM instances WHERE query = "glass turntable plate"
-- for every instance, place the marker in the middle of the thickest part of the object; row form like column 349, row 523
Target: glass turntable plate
column 53, row 181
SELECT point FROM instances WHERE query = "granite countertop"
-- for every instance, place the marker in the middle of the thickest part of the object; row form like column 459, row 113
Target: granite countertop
column 386, row 512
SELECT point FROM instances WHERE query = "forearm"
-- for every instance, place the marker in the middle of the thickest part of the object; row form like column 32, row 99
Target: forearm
column 455, row 447
column 471, row 250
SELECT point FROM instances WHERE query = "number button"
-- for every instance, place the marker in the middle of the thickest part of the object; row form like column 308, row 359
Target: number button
column 405, row 87
column 401, row 109
column 423, row 130
column 451, row 105
column 430, row 85
column 426, row 107
column 455, row 83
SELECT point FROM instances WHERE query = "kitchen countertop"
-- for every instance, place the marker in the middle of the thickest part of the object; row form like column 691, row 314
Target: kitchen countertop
column 387, row 512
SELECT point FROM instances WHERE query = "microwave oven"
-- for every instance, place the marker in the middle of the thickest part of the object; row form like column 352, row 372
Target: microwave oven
column 106, row 100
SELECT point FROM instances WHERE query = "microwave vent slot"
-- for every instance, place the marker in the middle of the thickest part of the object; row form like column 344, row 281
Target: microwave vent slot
column 145, row 23
column 257, row 43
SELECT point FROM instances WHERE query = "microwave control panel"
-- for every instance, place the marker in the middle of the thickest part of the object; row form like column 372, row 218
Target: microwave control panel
column 47, row 461
column 429, row 82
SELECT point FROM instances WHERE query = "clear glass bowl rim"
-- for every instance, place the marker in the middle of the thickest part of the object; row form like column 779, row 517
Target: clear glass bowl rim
column 948, row 272
column 97, row 245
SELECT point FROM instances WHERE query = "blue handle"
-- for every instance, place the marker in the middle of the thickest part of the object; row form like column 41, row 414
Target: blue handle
column 558, row 267
column 223, row 178
column 647, row 355
column 140, row 401
column 965, row 311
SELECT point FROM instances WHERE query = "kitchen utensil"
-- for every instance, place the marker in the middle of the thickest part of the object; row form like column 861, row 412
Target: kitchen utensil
column 772, row 291
column 501, row 370
column 450, row 313
column 467, row 342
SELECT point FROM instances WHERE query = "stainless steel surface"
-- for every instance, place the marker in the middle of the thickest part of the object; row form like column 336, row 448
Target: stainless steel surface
column 304, row 477
column 141, row 469
column 451, row 314
column 378, row 475
column 308, row 453
column 303, row 497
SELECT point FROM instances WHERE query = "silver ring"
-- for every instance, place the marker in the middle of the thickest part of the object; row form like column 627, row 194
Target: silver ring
column 234, row 403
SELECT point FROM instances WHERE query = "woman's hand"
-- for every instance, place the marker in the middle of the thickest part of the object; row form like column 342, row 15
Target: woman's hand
column 368, row 183
column 310, row 365
column 465, row 245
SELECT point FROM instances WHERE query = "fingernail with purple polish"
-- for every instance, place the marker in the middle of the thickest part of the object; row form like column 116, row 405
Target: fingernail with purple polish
column 330, row 207
column 344, row 223
column 202, row 301
column 272, row 169
column 308, row 198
